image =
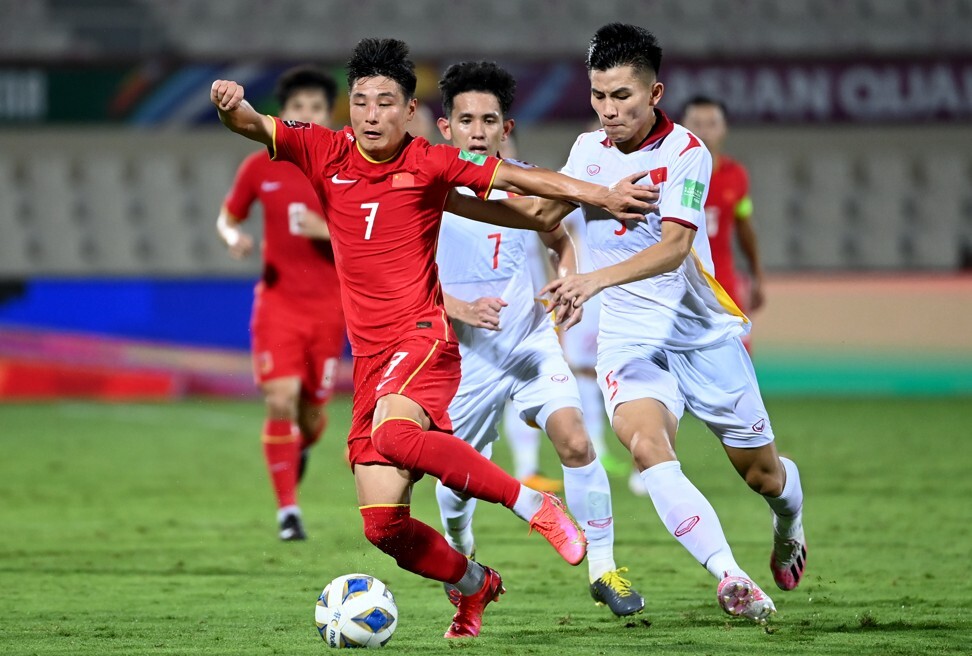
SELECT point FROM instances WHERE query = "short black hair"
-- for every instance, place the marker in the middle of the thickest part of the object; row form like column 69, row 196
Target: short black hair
column 705, row 101
column 386, row 58
column 301, row 78
column 485, row 76
column 620, row 44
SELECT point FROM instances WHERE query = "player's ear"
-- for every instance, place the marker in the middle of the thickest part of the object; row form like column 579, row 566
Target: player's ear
column 444, row 128
column 411, row 108
column 657, row 91
column 508, row 128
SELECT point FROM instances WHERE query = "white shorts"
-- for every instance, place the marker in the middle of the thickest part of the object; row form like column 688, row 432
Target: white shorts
column 717, row 384
column 536, row 378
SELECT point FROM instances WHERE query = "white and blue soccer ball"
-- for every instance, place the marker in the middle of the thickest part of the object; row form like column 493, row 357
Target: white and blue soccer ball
column 356, row 610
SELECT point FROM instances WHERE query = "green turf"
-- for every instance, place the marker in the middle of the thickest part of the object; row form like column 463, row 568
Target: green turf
column 148, row 529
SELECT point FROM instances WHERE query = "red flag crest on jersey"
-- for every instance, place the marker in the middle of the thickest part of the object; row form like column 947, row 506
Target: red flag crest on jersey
column 405, row 179
column 693, row 143
column 658, row 175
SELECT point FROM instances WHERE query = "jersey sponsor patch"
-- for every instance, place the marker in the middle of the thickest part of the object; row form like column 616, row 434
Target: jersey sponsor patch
column 299, row 125
column 692, row 194
column 475, row 158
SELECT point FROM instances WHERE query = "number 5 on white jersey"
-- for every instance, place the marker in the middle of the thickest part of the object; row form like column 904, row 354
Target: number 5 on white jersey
column 370, row 219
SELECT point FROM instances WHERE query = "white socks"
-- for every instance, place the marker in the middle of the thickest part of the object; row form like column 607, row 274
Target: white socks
column 472, row 581
column 527, row 503
column 588, row 496
column 282, row 513
column 524, row 443
column 592, row 405
column 456, row 513
column 787, row 508
column 690, row 518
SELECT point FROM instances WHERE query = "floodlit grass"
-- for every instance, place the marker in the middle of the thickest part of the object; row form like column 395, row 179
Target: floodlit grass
column 150, row 529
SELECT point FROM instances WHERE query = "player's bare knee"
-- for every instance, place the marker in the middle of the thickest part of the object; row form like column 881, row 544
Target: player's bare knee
column 576, row 450
column 650, row 448
column 764, row 480
column 281, row 405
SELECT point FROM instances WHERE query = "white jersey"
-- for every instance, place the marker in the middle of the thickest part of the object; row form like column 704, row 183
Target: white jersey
column 685, row 308
column 477, row 260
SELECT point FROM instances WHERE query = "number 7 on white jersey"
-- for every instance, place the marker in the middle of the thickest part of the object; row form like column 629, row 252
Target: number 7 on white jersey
column 370, row 219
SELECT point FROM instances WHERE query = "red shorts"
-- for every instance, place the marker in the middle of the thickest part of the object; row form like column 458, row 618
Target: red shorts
column 287, row 342
column 425, row 370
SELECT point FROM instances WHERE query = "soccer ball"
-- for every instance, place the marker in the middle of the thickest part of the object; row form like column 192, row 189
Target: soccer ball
column 356, row 610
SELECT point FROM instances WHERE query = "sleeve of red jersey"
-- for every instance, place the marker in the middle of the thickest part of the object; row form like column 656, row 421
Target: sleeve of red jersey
column 241, row 195
column 460, row 168
column 306, row 145
column 744, row 208
column 686, row 187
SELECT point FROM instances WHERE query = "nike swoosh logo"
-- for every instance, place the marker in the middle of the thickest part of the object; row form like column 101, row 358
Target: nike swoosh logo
column 337, row 180
column 270, row 186
column 382, row 383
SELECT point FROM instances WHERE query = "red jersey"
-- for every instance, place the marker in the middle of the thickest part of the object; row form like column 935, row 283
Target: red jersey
column 295, row 269
column 728, row 202
column 384, row 220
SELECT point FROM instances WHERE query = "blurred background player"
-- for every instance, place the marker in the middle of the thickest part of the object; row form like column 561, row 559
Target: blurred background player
column 728, row 207
column 297, row 326
column 510, row 351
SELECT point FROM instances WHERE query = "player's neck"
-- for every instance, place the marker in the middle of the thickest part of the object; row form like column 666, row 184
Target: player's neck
column 639, row 138
column 383, row 156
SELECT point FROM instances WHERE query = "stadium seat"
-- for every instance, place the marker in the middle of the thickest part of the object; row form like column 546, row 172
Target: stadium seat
column 772, row 212
column 111, row 228
column 160, row 190
column 14, row 235
column 881, row 219
column 823, row 230
column 54, row 213
column 935, row 230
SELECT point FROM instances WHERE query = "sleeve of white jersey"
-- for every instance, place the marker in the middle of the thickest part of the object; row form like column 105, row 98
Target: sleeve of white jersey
column 686, row 187
column 570, row 168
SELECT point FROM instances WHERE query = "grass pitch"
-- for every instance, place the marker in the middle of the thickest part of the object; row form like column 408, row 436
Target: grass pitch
column 149, row 529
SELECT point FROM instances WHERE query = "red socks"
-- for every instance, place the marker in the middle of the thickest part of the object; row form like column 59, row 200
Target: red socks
column 415, row 546
column 281, row 449
column 458, row 465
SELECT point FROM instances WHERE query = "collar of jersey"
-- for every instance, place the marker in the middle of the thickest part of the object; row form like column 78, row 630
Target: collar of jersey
column 382, row 161
column 662, row 128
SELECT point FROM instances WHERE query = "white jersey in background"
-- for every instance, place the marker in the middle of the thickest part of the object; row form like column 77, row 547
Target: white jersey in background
column 479, row 260
column 685, row 308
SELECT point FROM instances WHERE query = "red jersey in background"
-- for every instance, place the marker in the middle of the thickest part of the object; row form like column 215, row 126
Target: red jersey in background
column 298, row 323
column 728, row 202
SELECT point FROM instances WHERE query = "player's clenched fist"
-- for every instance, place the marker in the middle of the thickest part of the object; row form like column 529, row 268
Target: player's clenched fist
column 226, row 95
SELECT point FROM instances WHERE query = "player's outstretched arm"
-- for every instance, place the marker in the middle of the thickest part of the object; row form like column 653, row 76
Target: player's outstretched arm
column 525, row 213
column 746, row 233
column 238, row 115
column 239, row 243
column 626, row 199
column 310, row 224
column 667, row 255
